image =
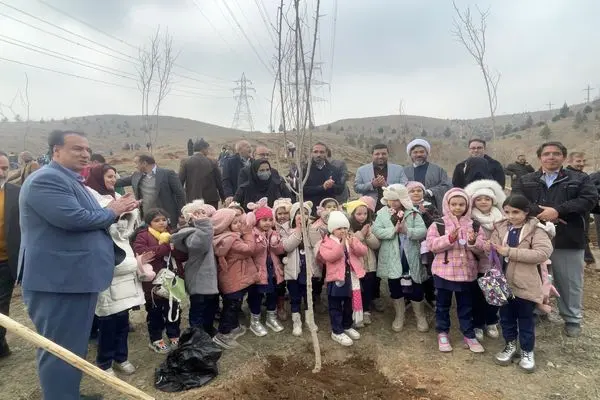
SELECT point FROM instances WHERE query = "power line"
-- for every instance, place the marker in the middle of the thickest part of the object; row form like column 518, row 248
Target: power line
column 247, row 38
column 66, row 30
column 265, row 18
column 213, row 27
column 332, row 47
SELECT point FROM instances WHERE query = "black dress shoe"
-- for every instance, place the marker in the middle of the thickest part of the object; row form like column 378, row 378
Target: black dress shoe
column 4, row 350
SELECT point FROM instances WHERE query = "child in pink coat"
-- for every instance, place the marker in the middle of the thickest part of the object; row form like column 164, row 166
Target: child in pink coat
column 270, row 269
column 343, row 253
column 454, row 268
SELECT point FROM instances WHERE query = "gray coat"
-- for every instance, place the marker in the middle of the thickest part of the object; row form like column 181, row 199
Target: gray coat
column 436, row 180
column 200, row 271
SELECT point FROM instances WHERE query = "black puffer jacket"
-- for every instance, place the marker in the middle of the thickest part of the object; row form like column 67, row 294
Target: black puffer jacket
column 572, row 194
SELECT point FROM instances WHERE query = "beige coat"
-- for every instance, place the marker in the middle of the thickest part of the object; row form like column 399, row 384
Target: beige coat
column 291, row 241
column 534, row 248
column 372, row 243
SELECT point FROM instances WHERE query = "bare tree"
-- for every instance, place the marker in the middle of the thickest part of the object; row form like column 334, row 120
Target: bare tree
column 27, row 104
column 295, row 99
column 472, row 35
column 148, row 58
column 16, row 116
column 164, row 66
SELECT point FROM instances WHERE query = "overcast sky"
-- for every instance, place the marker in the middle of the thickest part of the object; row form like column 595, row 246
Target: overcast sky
column 390, row 51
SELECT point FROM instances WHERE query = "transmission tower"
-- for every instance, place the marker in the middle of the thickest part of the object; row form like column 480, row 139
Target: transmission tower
column 242, row 109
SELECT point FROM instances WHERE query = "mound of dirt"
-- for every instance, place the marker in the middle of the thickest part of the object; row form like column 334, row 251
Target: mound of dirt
column 356, row 378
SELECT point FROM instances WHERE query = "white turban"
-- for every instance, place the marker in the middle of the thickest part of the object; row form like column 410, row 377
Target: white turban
column 418, row 142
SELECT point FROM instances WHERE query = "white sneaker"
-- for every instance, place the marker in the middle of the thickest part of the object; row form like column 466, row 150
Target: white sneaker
column 110, row 371
column 296, row 324
column 342, row 339
column 492, row 331
column 125, row 367
column 352, row 333
column 272, row 322
column 256, row 326
column 527, row 362
column 479, row 334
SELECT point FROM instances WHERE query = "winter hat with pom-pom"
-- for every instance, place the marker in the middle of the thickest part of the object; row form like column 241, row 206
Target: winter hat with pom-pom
column 222, row 219
column 337, row 220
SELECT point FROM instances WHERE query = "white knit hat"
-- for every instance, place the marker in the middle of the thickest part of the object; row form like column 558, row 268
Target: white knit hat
column 486, row 187
column 418, row 142
column 337, row 220
column 397, row 192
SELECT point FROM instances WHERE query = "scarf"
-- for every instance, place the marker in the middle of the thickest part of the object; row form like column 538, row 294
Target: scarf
column 357, row 306
column 487, row 221
column 161, row 237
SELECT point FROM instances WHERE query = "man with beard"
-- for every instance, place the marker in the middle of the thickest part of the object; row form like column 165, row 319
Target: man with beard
column 324, row 180
column 477, row 149
column 432, row 176
column 519, row 168
column 373, row 177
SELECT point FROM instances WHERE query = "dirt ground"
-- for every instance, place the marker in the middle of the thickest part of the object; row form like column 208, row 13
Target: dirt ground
column 381, row 365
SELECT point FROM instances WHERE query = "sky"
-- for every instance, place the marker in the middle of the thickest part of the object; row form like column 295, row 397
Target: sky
column 373, row 55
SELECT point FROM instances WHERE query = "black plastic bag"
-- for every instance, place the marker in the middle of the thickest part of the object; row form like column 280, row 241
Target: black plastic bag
column 191, row 365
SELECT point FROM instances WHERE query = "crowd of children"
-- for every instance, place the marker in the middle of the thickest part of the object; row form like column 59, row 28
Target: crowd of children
column 426, row 256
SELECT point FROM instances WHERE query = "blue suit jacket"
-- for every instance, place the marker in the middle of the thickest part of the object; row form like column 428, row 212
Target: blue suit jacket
column 365, row 174
column 65, row 245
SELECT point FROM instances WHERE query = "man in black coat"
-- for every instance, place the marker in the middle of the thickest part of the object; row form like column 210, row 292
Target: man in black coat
column 477, row 149
column 519, row 168
column 10, row 241
column 232, row 167
column 564, row 197
column 324, row 180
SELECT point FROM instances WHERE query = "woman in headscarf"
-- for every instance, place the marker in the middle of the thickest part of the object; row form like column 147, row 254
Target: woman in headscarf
column 102, row 179
column 262, row 183
column 475, row 169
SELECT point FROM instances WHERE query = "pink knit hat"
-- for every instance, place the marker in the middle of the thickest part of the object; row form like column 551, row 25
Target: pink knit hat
column 222, row 219
column 369, row 201
column 263, row 213
column 413, row 184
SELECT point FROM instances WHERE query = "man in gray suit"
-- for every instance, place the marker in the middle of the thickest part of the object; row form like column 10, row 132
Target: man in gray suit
column 156, row 187
column 371, row 178
column 66, row 256
column 10, row 241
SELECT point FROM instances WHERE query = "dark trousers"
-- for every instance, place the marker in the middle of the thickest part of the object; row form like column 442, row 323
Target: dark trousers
column 367, row 285
column 377, row 292
column 413, row 292
column 297, row 293
column 7, row 283
column 317, row 286
column 464, row 309
column 483, row 313
column 340, row 313
column 203, row 308
column 255, row 299
column 157, row 319
column 232, row 303
column 66, row 319
column 429, row 289
column 588, row 256
column 516, row 319
column 113, row 331
column 281, row 289
column 94, row 330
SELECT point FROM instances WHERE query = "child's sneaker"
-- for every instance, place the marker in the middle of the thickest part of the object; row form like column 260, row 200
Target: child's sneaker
column 506, row 356
column 296, row 324
column 256, row 326
column 125, row 367
column 225, row 340
column 352, row 334
column 444, row 343
column 110, row 371
column 492, row 331
column 239, row 331
column 159, row 347
column 272, row 322
column 473, row 345
column 478, row 334
column 342, row 339
column 174, row 343
column 527, row 362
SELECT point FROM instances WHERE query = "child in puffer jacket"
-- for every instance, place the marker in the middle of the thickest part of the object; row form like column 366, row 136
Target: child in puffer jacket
column 270, row 271
column 234, row 246
column 361, row 214
column 200, row 273
column 455, row 268
column 487, row 198
column 343, row 253
column 295, row 262
column 281, row 213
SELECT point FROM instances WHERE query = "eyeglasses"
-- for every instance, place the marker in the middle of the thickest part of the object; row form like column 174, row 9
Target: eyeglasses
column 477, row 148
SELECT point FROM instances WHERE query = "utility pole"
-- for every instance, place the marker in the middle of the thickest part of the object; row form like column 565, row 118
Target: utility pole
column 242, row 110
column 549, row 105
column 588, row 89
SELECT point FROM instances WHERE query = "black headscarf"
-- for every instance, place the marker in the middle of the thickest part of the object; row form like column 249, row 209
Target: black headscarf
column 260, row 185
column 477, row 168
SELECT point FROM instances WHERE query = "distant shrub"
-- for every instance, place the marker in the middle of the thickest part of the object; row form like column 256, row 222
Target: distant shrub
column 541, row 123
column 518, row 137
column 587, row 109
column 545, row 133
column 556, row 118
column 585, row 130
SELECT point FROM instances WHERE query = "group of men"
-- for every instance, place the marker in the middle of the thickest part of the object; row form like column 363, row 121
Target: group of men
column 67, row 257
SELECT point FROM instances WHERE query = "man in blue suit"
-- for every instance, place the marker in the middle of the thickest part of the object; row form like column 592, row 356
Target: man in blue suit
column 66, row 257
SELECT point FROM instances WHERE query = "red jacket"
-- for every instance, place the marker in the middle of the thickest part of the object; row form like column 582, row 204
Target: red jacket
column 236, row 270
column 145, row 242
column 260, row 255
column 332, row 252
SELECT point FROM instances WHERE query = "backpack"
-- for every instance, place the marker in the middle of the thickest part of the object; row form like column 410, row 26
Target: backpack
column 493, row 283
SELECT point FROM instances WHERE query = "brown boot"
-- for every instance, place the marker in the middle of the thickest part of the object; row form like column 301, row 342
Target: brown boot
column 282, row 314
